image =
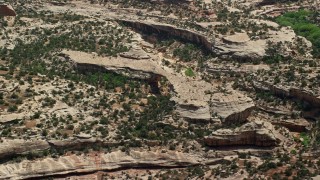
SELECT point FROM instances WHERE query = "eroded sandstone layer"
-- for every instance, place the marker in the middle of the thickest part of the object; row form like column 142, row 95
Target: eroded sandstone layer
column 96, row 161
column 256, row 133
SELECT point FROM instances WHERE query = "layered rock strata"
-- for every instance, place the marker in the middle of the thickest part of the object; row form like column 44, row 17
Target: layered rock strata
column 254, row 133
column 94, row 162
column 232, row 108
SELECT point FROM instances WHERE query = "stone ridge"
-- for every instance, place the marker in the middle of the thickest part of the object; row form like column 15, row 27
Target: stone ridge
column 96, row 161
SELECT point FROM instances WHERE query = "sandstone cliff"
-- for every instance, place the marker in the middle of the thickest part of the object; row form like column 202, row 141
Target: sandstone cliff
column 96, row 161
column 187, row 35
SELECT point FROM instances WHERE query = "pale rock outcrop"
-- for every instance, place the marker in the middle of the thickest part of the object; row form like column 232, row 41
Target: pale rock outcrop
column 256, row 133
column 94, row 162
column 237, row 39
column 135, row 53
column 232, row 107
column 193, row 112
column 5, row 118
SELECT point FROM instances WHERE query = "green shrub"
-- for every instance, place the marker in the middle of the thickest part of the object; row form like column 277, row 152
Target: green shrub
column 303, row 24
column 189, row 72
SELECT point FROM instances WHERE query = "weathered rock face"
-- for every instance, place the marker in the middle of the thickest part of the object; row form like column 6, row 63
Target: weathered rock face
column 254, row 133
column 284, row 91
column 193, row 112
column 135, row 54
column 188, row 35
column 232, row 108
column 10, row 148
column 14, row 147
column 96, row 161
column 300, row 125
column 57, row 3
column 7, row 10
column 305, row 96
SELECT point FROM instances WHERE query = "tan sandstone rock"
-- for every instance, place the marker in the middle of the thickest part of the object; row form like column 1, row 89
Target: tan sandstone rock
column 256, row 133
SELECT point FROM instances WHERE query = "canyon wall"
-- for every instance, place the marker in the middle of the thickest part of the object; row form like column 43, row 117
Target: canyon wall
column 169, row 30
column 92, row 162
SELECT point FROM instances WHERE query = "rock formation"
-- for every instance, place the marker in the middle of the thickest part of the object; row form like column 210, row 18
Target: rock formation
column 187, row 35
column 191, row 99
column 10, row 148
column 238, row 46
column 254, row 133
column 96, row 161
column 232, row 107
column 299, row 125
column 284, row 91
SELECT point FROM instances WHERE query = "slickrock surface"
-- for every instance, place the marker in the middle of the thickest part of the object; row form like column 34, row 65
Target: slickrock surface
column 239, row 38
column 96, row 161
